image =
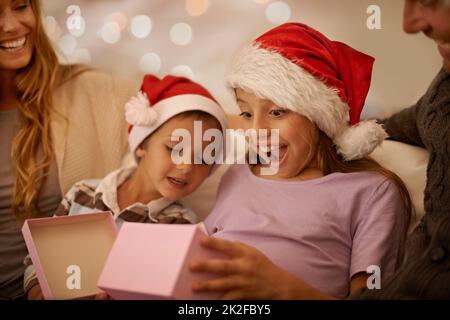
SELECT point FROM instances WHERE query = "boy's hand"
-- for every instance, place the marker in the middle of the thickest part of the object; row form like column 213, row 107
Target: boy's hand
column 249, row 274
column 35, row 293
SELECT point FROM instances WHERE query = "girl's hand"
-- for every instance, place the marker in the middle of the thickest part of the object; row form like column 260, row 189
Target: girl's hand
column 249, row 274
column 102, row 296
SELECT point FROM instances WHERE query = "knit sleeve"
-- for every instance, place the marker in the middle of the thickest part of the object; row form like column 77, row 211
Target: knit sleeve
column 403, row 126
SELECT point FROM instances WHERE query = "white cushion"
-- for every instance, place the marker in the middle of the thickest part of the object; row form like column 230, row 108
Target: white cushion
column 410, row 164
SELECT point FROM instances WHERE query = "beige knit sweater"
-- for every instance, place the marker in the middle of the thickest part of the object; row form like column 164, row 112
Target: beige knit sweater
column 88, row 128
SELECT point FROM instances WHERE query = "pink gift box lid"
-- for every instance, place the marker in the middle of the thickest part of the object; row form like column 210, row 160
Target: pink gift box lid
column 149, row 261
column 59, row 245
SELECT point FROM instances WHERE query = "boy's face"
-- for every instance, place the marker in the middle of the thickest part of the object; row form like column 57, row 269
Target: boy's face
column 170, row 180
column 432, row 17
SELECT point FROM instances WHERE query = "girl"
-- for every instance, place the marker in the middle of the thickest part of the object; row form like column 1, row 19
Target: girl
column 53, row 118
column 329, row 214
column 149, row 192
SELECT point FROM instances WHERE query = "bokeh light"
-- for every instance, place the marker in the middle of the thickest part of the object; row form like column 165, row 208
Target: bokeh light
column 278, row 12
column 141, row 26
column 196, row 8
column 183, row 71
column 150, row 63
column 67, row 44
column 119, row 18
column 181, row 34
column 76, row 26
column 110, row 32
column 52, row 28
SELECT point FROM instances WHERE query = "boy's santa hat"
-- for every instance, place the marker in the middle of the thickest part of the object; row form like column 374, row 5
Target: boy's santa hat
column 298, row 68
column 160, row 100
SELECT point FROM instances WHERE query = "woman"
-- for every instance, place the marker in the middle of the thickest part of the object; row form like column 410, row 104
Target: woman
column 52, row 119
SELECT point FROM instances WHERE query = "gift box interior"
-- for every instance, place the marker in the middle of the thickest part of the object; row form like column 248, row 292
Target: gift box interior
column 68, row 253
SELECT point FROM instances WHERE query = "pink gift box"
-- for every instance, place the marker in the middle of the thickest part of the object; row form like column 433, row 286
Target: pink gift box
column 150, row 261
column 69, row 252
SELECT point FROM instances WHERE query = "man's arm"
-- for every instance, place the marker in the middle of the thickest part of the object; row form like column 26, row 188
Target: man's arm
column 402, row 126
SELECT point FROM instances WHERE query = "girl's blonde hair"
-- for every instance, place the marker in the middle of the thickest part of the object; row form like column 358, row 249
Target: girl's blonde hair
column 31, row 150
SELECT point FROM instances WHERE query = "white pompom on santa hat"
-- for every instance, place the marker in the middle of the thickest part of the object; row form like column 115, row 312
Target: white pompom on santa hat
column 300, row 69
column 159, row 100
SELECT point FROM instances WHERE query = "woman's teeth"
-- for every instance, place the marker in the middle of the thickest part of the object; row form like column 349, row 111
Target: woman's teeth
column 13, row 45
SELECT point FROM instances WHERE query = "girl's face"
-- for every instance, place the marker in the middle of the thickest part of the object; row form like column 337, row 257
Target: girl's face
column 17, row 32
column 168, row 179
column 298, row 136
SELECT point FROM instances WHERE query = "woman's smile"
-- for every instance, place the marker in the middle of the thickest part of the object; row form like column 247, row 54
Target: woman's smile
column 13, row 45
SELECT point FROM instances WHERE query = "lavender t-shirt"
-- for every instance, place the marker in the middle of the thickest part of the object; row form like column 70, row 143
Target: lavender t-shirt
column 324, row 230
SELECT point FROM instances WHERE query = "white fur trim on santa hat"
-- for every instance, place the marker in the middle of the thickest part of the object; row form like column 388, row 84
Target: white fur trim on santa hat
column 270, row 75
column 170, row 107
column 360, row 140
column 138, row 111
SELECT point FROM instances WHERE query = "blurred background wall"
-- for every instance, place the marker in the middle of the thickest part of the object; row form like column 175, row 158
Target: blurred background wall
column 198, row 38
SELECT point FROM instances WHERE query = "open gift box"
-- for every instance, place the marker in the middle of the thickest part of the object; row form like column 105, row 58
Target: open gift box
column 150, row 261
column 69, row 252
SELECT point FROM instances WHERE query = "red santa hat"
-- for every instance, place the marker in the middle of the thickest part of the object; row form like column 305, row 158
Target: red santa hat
column 161, row 99
column 298, row 68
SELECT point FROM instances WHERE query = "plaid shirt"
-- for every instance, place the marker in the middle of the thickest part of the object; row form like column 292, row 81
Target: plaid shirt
column 90, row 196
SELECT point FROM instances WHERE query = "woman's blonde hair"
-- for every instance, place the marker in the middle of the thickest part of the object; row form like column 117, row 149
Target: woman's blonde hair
column 31, row 150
